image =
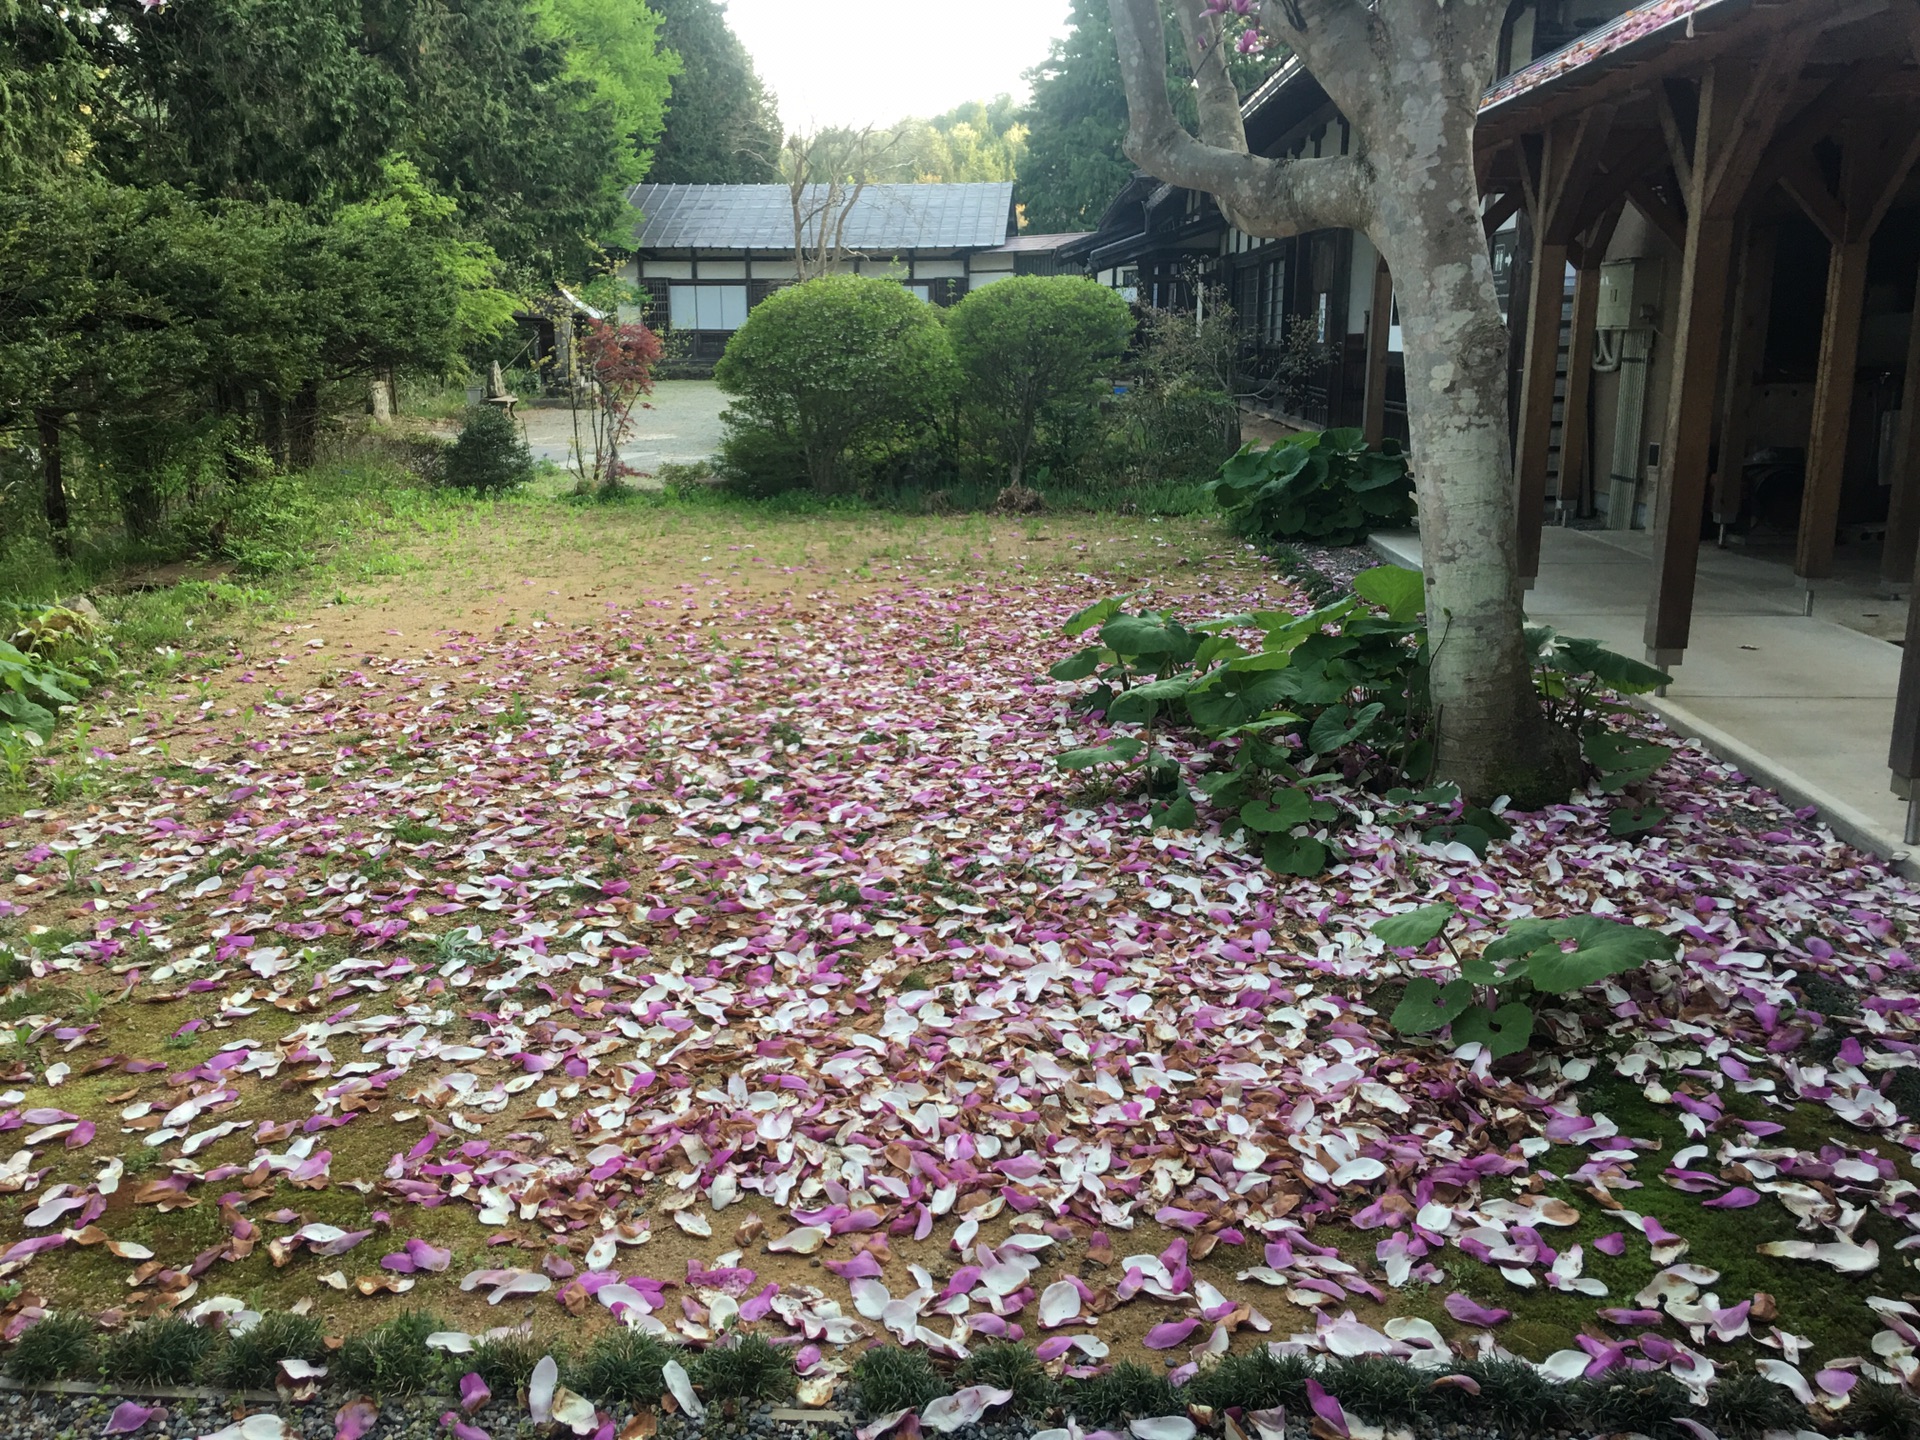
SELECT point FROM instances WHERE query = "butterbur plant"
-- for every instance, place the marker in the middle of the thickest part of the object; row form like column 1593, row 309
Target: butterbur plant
column 1491, row 1000
column 1341, row 692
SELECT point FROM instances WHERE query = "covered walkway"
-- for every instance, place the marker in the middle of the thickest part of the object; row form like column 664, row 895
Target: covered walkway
column 1802, row 703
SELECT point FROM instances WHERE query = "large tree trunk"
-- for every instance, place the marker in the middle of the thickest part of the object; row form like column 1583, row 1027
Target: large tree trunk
column 53, row 468
column 1408, row 76
column 1492, row 737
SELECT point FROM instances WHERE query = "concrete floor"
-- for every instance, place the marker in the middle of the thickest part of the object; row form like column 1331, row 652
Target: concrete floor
column 1803, row 703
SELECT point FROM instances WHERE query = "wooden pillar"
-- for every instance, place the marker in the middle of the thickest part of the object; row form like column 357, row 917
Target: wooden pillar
column 1574, row 438
column 1832, row 409
column 1898, row 552
column 1558, row 172
column 1684, row 451
column 1537, row 383
column 1875, row 160
column 1903, row 756
column 1379, row 332
column 1746, row 349
column 1739, row 106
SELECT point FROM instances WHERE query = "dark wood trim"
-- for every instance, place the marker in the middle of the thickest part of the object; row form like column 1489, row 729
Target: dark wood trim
column 1658, row 213
column 1379, row 331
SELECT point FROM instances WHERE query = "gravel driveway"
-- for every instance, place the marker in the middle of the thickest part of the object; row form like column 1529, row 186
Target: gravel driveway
column 681, row 426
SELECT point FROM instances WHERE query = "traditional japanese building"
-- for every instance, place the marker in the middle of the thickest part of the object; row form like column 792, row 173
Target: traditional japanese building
column 1705, row 225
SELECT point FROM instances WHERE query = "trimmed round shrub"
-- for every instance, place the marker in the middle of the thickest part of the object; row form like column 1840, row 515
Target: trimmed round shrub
column 491, row 456
column 1033, row 352
column 836, row 367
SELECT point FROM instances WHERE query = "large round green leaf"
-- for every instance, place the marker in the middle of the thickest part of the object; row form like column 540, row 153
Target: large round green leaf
column 1426, row 1006
column 1504, row 1032
column 1401, row 592
column 1117, row 751
column 1279, row 814
column 1290, row 855
column 1416, row 927
column 1600, row 948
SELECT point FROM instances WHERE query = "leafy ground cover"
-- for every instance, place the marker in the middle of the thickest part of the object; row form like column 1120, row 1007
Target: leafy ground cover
column 660, row 916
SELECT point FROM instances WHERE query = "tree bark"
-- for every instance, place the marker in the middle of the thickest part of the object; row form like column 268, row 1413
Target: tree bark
column 53, row 467
column 1408, row 78
column 303, row 427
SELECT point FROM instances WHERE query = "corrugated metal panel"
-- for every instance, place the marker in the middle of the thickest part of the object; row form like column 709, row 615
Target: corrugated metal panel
column 760, row 217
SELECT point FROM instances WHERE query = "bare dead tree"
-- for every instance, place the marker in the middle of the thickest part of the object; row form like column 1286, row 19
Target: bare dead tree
column 1407, row 75
column 827, row 172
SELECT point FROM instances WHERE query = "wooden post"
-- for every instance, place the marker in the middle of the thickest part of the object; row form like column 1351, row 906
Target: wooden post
column 1684, row 453
column 1558, row 175
column 1903, row 755
column 1574, row 438
column 1898, row 551
column 1537, row 384
column 1746, row 348
column 1832, row 409
column 1875, row 159
column 1739, row 106
column 1379, row 331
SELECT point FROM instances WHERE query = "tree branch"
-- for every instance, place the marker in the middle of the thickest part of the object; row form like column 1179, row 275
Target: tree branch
column 1208, row 45
column 1261, row 196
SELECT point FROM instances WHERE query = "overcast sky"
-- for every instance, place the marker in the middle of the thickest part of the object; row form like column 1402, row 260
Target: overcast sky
column 859, row 62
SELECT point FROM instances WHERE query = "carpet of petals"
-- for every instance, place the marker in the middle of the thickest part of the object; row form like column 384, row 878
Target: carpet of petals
column 771, row 931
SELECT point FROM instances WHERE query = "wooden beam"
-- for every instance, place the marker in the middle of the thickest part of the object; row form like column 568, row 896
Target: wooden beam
column 1746, row 348
column 1626, row 161
column 1548, row 298
column 1379, row 329
column 1658, row 213
column 1571, row 158
column 1816, row 119
column 1502, row 208
column 1766, row 92
column 1679, row 145
column 1902, row 545
column 1803, row 181
column 1896, row 150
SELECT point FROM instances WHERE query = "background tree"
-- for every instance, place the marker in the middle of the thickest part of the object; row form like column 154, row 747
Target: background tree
column 1074, row 161
column 1408, row 76
column 615, row 45
column 721, row 126
column 1031, row 349
column 977, row 141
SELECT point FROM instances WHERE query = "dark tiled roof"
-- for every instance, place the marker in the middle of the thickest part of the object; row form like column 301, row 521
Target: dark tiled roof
column 760, row 217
